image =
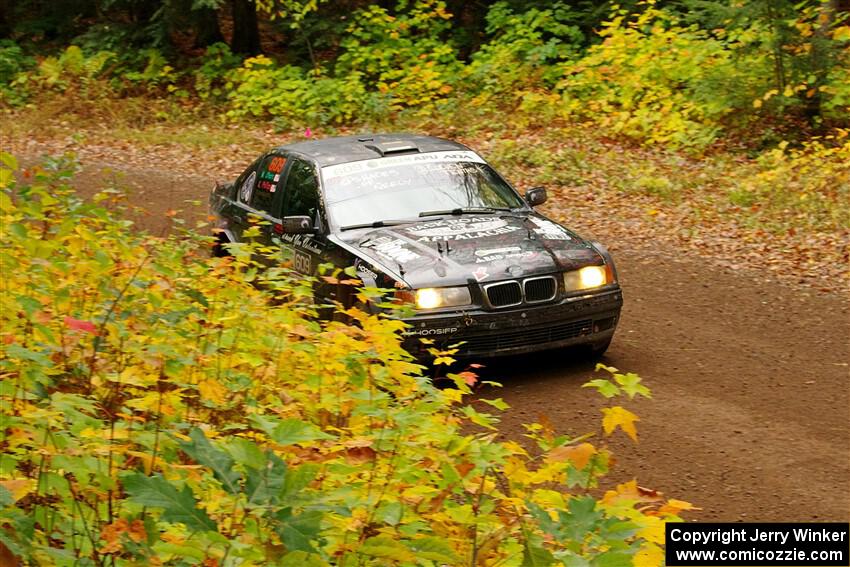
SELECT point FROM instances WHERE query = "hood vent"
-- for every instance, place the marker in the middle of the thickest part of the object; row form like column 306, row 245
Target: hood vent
column 393, row 148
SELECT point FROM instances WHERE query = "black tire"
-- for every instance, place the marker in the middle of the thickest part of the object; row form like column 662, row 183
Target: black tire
column 218, row 249
column 597, row 350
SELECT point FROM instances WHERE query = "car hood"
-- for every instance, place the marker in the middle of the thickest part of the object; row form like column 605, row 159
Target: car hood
column 473, row 248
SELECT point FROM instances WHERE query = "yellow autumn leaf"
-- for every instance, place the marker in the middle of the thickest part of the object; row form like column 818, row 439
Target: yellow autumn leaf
column 653, row 529
column 212, row 390
column 619, row 417
column 841, row 33
column 579, row 455
column 18, row 487
column 649, row 555
column 452, row 395
column 547, row 498
column 515, row 448
column 515, row 468
column 757, row 103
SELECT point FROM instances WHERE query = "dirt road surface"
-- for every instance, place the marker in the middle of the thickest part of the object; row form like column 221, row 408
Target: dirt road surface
column 750, row 415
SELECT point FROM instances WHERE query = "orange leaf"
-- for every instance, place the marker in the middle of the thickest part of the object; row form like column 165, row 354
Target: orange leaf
column 579, row 455
column 360, row 455
column 673, row 507
column 18, row 488
column 464, row 468
column 469, row 377
column 77, row 325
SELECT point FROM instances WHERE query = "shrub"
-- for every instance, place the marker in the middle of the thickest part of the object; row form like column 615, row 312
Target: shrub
column 13, row 63
column 213, row 69
column 805, row 186
column 651, row 79
column 524, row 51
column 405, row 57
column 290, row 95
column 164, row 408
column 72, row 69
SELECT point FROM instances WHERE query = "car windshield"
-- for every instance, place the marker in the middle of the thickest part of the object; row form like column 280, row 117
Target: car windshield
column 402, row 187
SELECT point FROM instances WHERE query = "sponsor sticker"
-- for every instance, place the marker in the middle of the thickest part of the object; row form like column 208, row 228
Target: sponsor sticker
column 480, row 274
column 392, row 248
column 465, row 228
column 276, row 165
column 343, row 169
column 549, row 230
column 304, row 241
column 363, row 269
column 428, row 332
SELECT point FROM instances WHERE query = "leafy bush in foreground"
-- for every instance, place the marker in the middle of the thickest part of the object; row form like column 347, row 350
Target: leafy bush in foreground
column 163, row 408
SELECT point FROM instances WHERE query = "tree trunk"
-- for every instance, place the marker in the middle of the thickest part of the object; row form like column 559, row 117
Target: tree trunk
column 5, row 19
column 820, row 61
column 205, row 23
column 143, row 12
column 246, row 33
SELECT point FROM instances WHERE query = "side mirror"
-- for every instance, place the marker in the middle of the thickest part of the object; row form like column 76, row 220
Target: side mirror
column 536, row 196
column 297, row 225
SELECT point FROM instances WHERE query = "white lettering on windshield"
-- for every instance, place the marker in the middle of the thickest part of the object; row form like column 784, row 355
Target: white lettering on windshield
column 343, row 169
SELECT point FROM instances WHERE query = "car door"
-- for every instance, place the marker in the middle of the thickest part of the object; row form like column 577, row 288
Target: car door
column 300, row 196
column 258, row 197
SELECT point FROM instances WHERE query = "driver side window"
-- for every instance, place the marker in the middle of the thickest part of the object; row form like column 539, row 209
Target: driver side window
column 267, row 178
column 302, row 190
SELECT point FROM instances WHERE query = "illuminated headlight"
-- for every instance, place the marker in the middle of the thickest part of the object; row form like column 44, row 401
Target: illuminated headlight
column 434, row 297
column 588, row 277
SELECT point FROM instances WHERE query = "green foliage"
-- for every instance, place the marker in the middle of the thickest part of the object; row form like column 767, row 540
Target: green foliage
column 524, row 49
column 404, row 57
column 292, row 96
column 73, row 70
column 13, row 63
column 99, row 74
column 211, row 75
column 654, row 79
column 162, row 407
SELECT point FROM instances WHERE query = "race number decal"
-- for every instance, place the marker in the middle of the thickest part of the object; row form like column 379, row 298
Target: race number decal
column 301, row 262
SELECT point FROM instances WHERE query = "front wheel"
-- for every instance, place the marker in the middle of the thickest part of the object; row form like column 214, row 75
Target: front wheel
column 219, row 249
column 597, row 350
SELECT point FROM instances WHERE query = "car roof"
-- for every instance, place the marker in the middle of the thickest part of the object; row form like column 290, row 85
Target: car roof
column 346, row 149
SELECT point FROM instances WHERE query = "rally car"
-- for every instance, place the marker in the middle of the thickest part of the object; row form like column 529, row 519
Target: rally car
column 431, row 220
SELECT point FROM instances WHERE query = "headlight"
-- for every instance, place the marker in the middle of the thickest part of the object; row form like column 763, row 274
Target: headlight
column 588, row 277
column 434, row 297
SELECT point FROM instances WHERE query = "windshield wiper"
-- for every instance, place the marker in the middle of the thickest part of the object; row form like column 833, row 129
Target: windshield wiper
column 465, row 211
column 377, row 224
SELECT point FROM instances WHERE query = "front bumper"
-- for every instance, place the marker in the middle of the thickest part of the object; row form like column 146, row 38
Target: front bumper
column 588, row 319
